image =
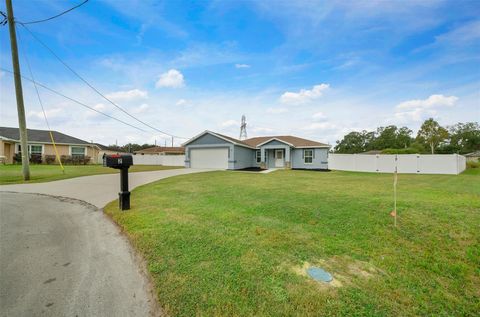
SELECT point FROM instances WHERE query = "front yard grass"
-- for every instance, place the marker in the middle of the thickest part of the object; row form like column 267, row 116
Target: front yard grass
column 12, row 174
column 230, row 244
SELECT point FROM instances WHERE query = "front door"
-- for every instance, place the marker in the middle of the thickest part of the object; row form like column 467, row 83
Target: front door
column 279, row 159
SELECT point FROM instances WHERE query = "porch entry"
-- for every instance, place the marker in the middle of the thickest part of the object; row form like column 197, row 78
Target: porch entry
column 279, row 158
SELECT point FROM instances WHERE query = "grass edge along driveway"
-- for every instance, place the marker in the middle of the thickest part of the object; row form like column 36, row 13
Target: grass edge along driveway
column 230, row 243
column 12, row 174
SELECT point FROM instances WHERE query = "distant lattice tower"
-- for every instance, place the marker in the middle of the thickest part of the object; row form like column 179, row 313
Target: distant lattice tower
column 243, row 128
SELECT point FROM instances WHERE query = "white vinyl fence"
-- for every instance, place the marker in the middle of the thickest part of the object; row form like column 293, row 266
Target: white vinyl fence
column 167, row 160
column 406, row 163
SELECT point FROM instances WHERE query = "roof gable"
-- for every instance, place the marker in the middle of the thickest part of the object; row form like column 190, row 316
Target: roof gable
column 274, row 141
column 218, row 136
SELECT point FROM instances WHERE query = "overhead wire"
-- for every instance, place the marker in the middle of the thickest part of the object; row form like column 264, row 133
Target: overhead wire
column 72, row 99
column 55, row 16
column 94, row 89
column 43, row 108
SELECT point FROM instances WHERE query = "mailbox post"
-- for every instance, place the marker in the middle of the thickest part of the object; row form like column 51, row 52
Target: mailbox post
column 121, row 162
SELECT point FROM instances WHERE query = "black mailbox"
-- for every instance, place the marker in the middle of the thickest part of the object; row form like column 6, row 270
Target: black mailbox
column 121, row 162
column 118, row 161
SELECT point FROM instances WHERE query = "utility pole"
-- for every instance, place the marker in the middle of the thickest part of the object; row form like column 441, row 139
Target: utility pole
column 172, row 141
column 22, row 125
column 243, row 129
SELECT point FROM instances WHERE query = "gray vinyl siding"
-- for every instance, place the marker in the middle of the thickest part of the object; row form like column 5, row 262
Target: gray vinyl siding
column 243, row 157
column 274, row 142
column 320, row 159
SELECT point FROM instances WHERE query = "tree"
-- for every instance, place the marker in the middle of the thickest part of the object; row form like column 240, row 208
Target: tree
column 432, row 134
column 386, row 138
column 404, row 138
column 355, row 142
column 465, row 137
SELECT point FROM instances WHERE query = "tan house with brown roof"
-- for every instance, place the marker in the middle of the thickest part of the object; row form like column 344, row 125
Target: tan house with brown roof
column 40, row 144
column 213, row 150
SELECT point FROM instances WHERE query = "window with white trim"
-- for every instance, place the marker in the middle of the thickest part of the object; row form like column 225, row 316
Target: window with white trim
column 36, row 149
column 308, row 156
column 78, row 151
column 258, row 156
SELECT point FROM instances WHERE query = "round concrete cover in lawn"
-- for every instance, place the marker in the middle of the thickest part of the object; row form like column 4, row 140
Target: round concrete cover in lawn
column 319, row 274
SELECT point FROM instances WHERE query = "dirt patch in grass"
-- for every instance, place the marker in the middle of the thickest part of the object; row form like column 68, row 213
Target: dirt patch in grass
column 344, row 270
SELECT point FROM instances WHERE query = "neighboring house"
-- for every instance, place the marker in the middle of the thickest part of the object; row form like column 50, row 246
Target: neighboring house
column 214, row 150
column 39, row 143
column 473, row 157
column 162, row 150
column 103, row 149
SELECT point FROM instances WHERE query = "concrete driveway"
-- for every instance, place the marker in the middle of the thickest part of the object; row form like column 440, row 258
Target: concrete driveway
column 64, row 257
column 97, row 190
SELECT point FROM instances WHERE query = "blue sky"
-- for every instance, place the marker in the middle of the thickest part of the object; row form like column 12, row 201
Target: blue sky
column 312, row 69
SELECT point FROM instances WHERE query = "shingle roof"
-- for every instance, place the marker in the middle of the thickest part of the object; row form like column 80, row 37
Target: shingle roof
column 105, row 147
column 162, row 149
column 232, row 139
column 42, row 136
column 293, row 140
column 473, row 154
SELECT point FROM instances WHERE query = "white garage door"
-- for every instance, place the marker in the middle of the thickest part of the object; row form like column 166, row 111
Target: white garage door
column 209, row 158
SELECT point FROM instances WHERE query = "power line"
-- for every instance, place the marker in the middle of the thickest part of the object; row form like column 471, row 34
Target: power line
column 43, row 109
column 55, row 16
column 94, row 89
column 71, row 99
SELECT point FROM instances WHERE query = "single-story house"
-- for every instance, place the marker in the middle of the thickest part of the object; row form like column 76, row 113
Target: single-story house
column 162, row 150
column 473, row 157
column 106, row 150
column 214, row 150
column 40, row 143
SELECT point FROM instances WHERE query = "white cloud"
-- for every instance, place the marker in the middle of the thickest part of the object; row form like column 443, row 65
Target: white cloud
column 277, row 110
column 99, row 106
column 142, row 108
column 242, row 66
column 304, row 95
column 420, row 109
column 319, row 116
column 464, row 34
column 171, row 79
column 262, row 130
column 128, row 95
column 50, row 113
column 230, row 123
column 181, row 102
column 431, row 102
column 320, row 126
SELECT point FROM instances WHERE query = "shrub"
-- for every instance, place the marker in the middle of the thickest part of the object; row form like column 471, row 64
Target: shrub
column 473, row 164
column 36, row 158
column 86, row 160
column 50, row 159
column 66, row 159
column 17, row 159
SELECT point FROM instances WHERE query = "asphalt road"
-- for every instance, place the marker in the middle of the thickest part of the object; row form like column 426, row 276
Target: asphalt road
column 63, row 256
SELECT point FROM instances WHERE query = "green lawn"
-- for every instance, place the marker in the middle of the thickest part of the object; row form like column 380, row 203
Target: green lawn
column 232, row 243
column 12, row 174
